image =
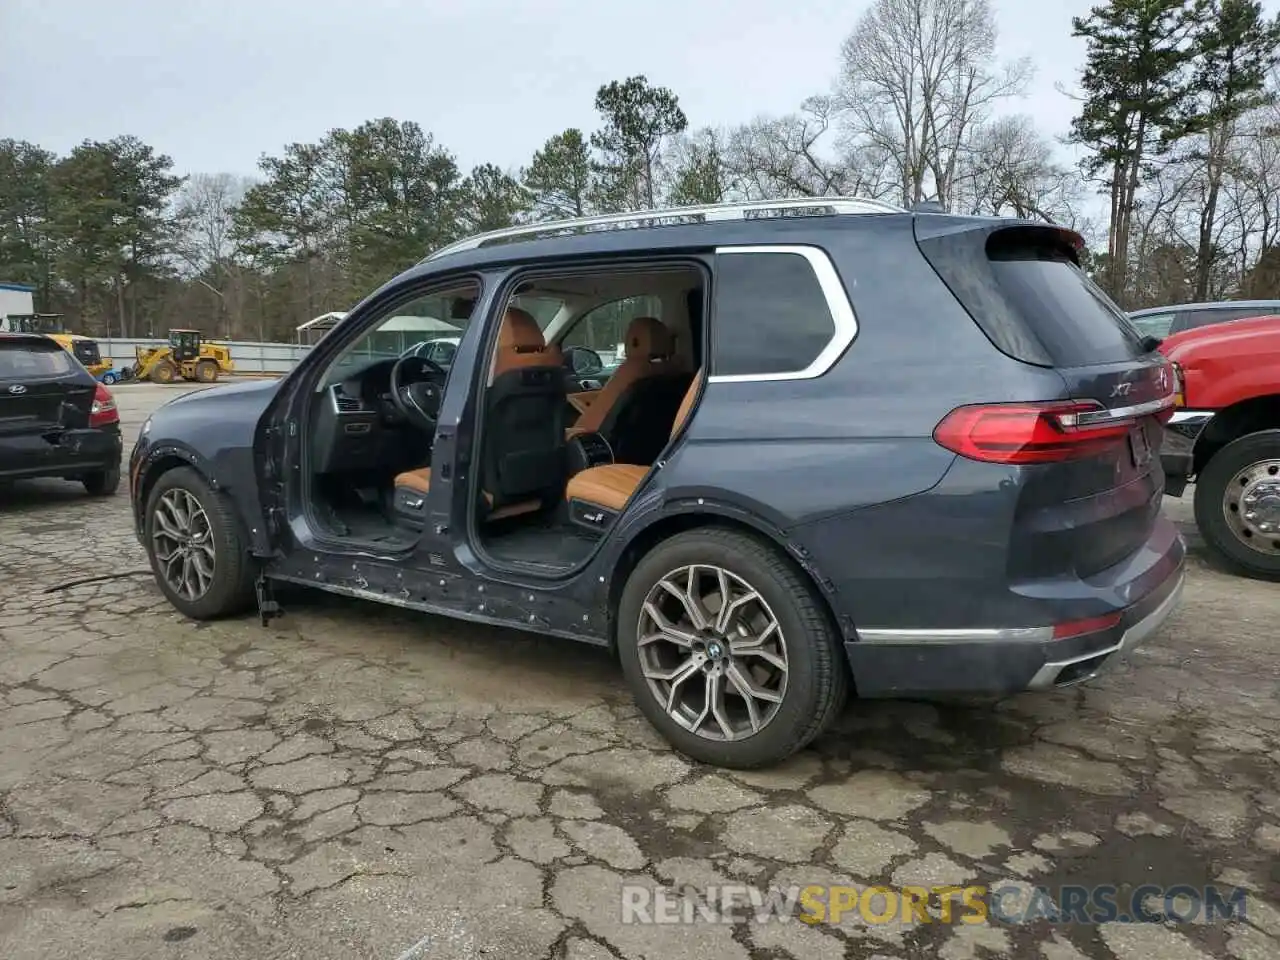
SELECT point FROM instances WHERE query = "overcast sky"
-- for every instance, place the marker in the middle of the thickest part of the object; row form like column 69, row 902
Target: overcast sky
column 216, row 84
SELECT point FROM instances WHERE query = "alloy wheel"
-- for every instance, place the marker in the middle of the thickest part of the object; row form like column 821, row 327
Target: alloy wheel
column 712, row 652
column 182, row 543
column 1251, row 505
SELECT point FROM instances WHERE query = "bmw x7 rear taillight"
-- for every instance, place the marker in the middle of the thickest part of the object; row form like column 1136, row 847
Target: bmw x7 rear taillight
column 1027, row 433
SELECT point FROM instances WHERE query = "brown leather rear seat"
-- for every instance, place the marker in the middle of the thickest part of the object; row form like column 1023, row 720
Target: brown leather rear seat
column 611, row 485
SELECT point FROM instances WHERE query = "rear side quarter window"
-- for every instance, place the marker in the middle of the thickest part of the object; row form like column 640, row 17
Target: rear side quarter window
column 779, row 313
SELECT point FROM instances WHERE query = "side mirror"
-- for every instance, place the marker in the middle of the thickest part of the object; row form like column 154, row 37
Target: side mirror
column 583, row 361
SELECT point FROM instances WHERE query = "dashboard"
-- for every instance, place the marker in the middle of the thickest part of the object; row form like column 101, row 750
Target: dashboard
column 357, row 426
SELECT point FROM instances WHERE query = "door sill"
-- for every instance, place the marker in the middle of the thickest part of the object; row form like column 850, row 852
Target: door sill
column 322, row 537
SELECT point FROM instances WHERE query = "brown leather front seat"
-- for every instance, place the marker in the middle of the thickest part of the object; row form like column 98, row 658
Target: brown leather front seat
column 418, row 481
column 650, row 353
column 611, row 485
column 521, row 344
column 525, row 398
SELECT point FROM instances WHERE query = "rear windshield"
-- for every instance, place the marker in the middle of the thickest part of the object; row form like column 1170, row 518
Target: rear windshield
column 1022, row 287
column 1067, row 312
column 29, row 361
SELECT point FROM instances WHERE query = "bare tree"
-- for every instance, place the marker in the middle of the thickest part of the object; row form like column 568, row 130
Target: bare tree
column 794, row 156
column 205, row 211
column 1008, row 168
column 1256, row 172
column 916, row 78
column 1161, row 248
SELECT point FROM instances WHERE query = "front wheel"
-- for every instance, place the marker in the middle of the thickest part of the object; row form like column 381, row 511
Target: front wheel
column 1237, row 503
column 728, row 651
column 109, row 379
column 197, row 548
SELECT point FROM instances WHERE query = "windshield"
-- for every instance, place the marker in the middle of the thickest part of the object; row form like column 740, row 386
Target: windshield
column 438, row 319
column 415, row 323
column 1153, row 324
column 430, row 326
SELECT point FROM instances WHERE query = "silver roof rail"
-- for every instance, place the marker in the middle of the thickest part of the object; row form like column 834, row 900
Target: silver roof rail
column 675, row 216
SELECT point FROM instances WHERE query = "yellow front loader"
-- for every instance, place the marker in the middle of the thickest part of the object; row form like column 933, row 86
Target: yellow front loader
column 186, row 356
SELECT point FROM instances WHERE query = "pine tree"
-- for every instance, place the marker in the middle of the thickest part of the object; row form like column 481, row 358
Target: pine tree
column 1235, row 47
column 1136, row 85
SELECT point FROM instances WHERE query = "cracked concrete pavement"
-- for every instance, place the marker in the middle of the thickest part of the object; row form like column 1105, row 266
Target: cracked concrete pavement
column 360, row 781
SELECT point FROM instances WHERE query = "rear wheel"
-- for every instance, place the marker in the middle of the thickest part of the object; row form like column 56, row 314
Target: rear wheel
column 728, row 651
column 206, row 371
column 101, row 483
column 164, row 372
column 1237, row 503
column 197, row 547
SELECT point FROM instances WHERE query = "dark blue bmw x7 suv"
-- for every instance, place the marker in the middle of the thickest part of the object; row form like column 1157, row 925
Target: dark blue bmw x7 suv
column 840, row 447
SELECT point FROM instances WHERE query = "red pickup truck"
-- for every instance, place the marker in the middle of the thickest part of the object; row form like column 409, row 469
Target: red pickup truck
column 1225, row 434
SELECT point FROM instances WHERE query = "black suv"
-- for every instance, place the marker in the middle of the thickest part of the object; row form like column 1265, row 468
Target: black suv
column 837, row 446
column 56, row 420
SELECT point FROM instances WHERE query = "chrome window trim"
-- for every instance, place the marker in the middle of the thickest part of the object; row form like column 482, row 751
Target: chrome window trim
column 838, row 306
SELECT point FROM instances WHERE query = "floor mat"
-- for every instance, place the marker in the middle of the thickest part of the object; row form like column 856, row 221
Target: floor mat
column 371, row 526
column 557, row 547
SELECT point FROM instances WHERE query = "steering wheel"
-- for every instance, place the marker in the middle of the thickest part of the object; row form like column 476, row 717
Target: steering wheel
column 417, row 387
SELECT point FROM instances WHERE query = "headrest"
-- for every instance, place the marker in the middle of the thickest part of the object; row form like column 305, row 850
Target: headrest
column 648, row 338
column 520, row 332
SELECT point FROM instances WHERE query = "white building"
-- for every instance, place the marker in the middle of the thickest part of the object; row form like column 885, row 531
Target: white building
column 16, row 300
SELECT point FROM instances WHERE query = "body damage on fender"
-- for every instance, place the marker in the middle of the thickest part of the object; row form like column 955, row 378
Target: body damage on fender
column 216, row 426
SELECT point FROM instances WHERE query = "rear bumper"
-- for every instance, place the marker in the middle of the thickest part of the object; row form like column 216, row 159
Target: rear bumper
column 1002, row 661
column 1177, row 453
column 66, row 454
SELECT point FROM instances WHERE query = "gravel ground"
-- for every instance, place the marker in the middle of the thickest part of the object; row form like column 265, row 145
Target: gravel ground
column 359, row 781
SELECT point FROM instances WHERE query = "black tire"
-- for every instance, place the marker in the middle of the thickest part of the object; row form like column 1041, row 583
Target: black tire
column 818, row 678
column 206, row 371
column 164, row 372
column 109, row 379
column 234, row 571
column 1210, row 504
column 101, row 483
